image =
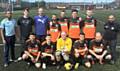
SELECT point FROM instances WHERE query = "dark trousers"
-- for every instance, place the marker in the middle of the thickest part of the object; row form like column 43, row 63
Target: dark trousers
column 41, row 38
column 112, row 47
column 23, row 41
column 9, row 45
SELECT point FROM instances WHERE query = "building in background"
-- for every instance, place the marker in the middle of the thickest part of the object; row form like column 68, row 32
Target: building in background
column 117, row 3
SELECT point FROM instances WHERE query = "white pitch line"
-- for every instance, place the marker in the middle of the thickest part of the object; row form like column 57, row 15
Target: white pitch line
column 20, row 45
column 15, row 44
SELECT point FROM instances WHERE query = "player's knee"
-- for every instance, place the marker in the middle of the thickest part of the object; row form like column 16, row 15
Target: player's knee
column 88, row 64
column 77, row 55
column 108, row 57
column 24, row 56
column 37, row 65
column 89, row 56
column 66, row 57
column 58, row 53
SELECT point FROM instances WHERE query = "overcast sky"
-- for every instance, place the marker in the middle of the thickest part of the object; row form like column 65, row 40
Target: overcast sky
column 95, row 1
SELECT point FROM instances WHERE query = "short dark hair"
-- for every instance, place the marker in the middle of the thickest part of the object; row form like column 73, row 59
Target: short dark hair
column 48, row 35
column 74, row 10
column 81, row 33
column 27, row 9
column 32, row 33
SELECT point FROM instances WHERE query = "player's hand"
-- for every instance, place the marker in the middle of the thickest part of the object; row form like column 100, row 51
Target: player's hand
column 65, row 50
column 86, row 49
column 52, row 57
column 101, row 57
column 36, row 60
column 4, row 41
column 33, row 60
column 101, row 61
column 98, row 57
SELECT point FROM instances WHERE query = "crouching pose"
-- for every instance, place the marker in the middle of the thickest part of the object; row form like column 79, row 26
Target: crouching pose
column 48, row 48
column 79, row 53
column 63, row 50
column 32, row 51
column 98, row 51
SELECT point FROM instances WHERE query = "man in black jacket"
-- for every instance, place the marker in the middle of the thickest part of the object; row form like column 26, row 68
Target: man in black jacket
column 110, row 35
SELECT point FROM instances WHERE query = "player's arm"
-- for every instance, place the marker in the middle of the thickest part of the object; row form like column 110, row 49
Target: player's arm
column 46, row 54
column 93, row 53
column 59, row 28
column 17, row 31
column 38, row 56
column 104, row 53
column 48, row 26
column 2, row 35
column 26, row 52
column 84, row 50
column 69, row 46
column 58, row 45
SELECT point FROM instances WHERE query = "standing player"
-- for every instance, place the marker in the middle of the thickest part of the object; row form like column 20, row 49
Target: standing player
column 89, row 26
column 110, row 35
column 97, row 49
column 41, row 23
column 8, row 30
column 54, row 29
column 74, row 26
column 63, row 21
column 25, row 24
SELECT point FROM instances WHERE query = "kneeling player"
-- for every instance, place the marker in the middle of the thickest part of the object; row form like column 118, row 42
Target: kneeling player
column 80, row 51
column 32, row 51
column 97, row 50
column 48, row 48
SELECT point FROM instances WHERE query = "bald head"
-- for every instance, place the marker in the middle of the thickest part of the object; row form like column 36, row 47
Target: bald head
column 111, row 17
column 63, row 35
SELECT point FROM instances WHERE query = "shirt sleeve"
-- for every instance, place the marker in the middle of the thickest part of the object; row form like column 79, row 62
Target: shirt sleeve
column 59, row 27
column 2, row 24
column 70, row 45
column 32, row 21
column 18, row 21
column 14, row 21
column 58, row 45
column 75, row 45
